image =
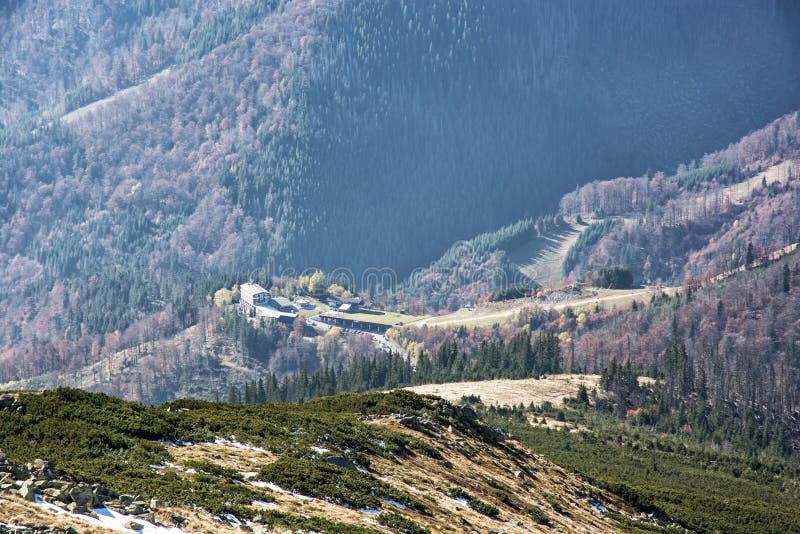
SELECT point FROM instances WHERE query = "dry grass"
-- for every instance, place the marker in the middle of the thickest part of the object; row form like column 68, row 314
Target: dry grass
column 243, row 459
column 17, row 511
column 512, row 392
column 480, row 470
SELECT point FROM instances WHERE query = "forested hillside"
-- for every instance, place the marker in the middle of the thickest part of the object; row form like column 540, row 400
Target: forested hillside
column 712, row 216
column 726, row 356
column 351, row 134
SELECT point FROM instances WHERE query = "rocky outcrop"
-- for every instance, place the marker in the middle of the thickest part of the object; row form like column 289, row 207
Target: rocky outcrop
column 10, row 403
column 445, row 416
column 38, row 480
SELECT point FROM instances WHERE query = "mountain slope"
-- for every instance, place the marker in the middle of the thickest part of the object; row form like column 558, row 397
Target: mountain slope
column 354, row 463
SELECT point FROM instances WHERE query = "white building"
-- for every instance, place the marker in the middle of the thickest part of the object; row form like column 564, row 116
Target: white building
column 252, row 295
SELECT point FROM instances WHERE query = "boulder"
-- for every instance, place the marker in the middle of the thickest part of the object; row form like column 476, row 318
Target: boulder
column 54, row 494
column 28, row 491
column 138, row 508
column 133, row 525
column 8, row 402
column 42, row 469
column 82, row 496
column 101, row 494
column 341, row 461
column 20, row 472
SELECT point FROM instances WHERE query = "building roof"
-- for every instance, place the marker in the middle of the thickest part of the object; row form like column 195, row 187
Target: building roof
column 251, row 288
column 263, row 311
column 345, row 307
column 282, row 302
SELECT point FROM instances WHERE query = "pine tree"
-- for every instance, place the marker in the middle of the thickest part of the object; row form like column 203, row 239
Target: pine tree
column 787, row 278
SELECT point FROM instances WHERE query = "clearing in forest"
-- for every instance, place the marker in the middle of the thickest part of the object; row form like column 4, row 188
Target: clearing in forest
column 507, row 392
column 541, row 258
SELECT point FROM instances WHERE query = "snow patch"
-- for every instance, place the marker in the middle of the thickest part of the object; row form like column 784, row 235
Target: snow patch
column 396, row 503
column 232, row 519
column 274, row 487
column 13, row 528
column 319, row 450
column 370, row 511
column 37, row 499
column 263, row 504
column 259, row 483
column 278, row 489
column 176, row 443
column 109, row 519
column 599, row 507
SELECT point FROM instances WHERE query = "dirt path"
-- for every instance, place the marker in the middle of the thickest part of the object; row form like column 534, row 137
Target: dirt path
column 478, row 316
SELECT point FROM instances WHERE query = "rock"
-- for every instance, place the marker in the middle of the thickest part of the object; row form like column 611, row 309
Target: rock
column 341, row 461
column 54, row 494
column 19, row 472
column 82, row 496
column 155, row 504
column 7, row 402
column 178, row 520
column 41, row 469
column 519, row 474
column 102, row 493
column 446, row 464
column 411, row 421
column 137, row 508
column 27, row 491
column 133, row 525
